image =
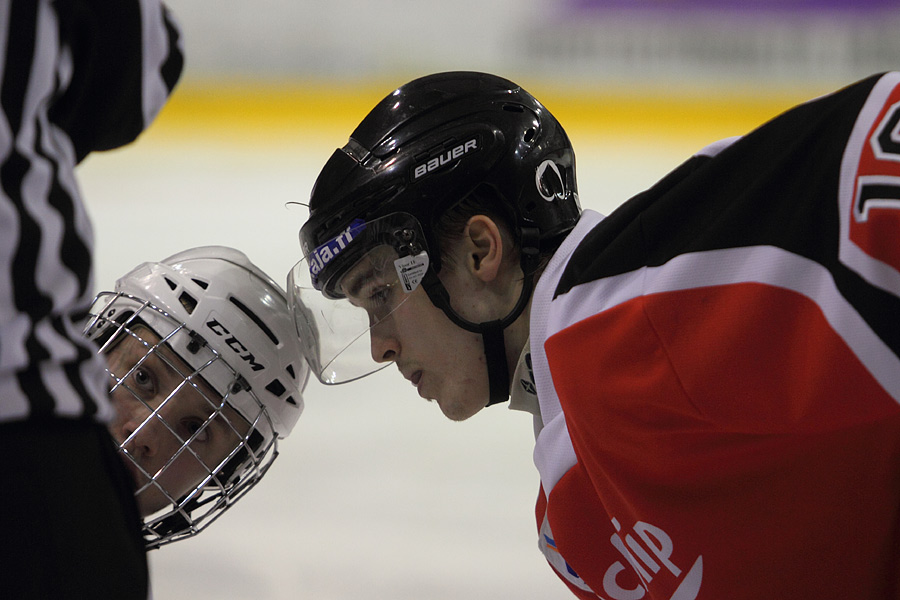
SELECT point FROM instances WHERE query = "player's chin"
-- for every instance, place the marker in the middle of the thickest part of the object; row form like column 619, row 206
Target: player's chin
column 151, row 501
column 149, row 498
column 459, row 409
column 138, row 478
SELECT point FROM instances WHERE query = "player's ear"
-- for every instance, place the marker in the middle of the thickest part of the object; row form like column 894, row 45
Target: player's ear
column 484, row 243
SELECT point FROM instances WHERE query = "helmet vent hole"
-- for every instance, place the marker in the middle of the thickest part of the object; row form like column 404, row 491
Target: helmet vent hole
column 203, row 284
column 290, row 370
column 290, row 400
column 172, row 285
column 529, row 135
column 255, row 318
column 276, row 388
column 513, row 108
column 188, row 302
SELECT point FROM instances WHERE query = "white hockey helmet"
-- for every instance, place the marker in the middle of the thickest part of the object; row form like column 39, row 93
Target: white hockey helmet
column 228, row 325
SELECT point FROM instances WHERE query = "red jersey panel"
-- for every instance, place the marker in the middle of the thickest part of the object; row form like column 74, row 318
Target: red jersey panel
column 749, row 447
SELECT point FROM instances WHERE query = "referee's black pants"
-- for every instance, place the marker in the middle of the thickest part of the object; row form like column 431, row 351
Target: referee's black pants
column 69, row 525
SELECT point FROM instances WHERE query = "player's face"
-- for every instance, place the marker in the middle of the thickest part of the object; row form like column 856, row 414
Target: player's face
column 443, row 361
column 157, row 448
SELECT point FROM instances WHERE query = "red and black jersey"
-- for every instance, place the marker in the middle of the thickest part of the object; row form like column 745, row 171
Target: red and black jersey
column 718, row 368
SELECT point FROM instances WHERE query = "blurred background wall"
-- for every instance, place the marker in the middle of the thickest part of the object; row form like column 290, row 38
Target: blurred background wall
column 375, row 495
column 616, row 68
column 572, row 42
column 327, row 56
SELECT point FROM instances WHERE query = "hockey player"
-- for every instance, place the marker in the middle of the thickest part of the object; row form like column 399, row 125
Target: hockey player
column 205, row 375
column 713, row 368
column 77, row 77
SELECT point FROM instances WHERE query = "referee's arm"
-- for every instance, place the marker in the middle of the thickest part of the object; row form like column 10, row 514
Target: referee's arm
column 127, row 58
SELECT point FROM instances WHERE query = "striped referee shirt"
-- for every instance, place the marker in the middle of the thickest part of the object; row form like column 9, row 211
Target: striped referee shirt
column 75, row 76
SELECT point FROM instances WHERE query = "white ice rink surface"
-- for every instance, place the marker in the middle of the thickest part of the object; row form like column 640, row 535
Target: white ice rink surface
column 375, row 495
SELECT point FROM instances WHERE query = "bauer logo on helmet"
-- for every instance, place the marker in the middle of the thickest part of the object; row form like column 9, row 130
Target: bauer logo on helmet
column 445, row 157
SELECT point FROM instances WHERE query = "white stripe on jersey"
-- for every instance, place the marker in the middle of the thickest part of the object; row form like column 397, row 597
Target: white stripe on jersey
column 156, row 51
column 756, row 264
column 46, row 157
column 553, row 453
column 543, row 292
column 9, row 228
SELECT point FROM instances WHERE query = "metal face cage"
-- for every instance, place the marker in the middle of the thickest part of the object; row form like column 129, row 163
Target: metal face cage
column 193, row 434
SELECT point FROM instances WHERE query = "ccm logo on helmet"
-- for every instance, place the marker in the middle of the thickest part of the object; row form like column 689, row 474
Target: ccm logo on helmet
column 442, row 159
column 235, row 344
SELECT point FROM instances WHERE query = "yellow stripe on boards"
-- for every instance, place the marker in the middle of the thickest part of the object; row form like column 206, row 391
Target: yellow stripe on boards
column 254, row 112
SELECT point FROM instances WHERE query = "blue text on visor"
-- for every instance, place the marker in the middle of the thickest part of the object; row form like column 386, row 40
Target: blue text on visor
column 320, row 257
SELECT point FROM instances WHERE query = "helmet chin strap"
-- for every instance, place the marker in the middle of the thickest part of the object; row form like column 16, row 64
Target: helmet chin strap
column 492, row 331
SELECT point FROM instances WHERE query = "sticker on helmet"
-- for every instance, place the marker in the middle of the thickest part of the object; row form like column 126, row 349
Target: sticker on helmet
column 327, row 252
column 411, row 270
column 549, row 181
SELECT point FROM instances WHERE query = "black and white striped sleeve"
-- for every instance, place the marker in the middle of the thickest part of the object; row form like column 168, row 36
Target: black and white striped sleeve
column 75, row 76
column 127, row 58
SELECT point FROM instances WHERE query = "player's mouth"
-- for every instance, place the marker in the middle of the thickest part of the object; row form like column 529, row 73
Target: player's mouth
column 137, row 475
column 417, row 380
column 414, row 377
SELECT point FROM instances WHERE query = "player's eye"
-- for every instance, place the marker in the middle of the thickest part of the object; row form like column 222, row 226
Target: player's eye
column 380, row 295
column 144, row 382
column 197, row 426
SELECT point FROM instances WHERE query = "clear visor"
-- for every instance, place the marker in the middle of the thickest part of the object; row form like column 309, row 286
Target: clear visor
column 336, row 333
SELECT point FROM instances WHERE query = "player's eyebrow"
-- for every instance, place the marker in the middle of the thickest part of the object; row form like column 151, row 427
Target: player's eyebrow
column 356, row 281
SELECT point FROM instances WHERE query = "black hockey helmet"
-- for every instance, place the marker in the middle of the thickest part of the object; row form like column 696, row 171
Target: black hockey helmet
column 423, row 149
column 430, row 143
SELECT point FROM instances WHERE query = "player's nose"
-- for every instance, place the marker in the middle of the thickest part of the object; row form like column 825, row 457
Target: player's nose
column 384, row 345
column 141, row 431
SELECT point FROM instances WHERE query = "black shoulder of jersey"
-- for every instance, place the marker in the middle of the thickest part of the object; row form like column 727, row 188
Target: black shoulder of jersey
column 775, row 186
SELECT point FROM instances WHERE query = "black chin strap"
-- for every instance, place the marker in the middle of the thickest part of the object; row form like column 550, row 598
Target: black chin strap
column 492, row 331
column 495, row 354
